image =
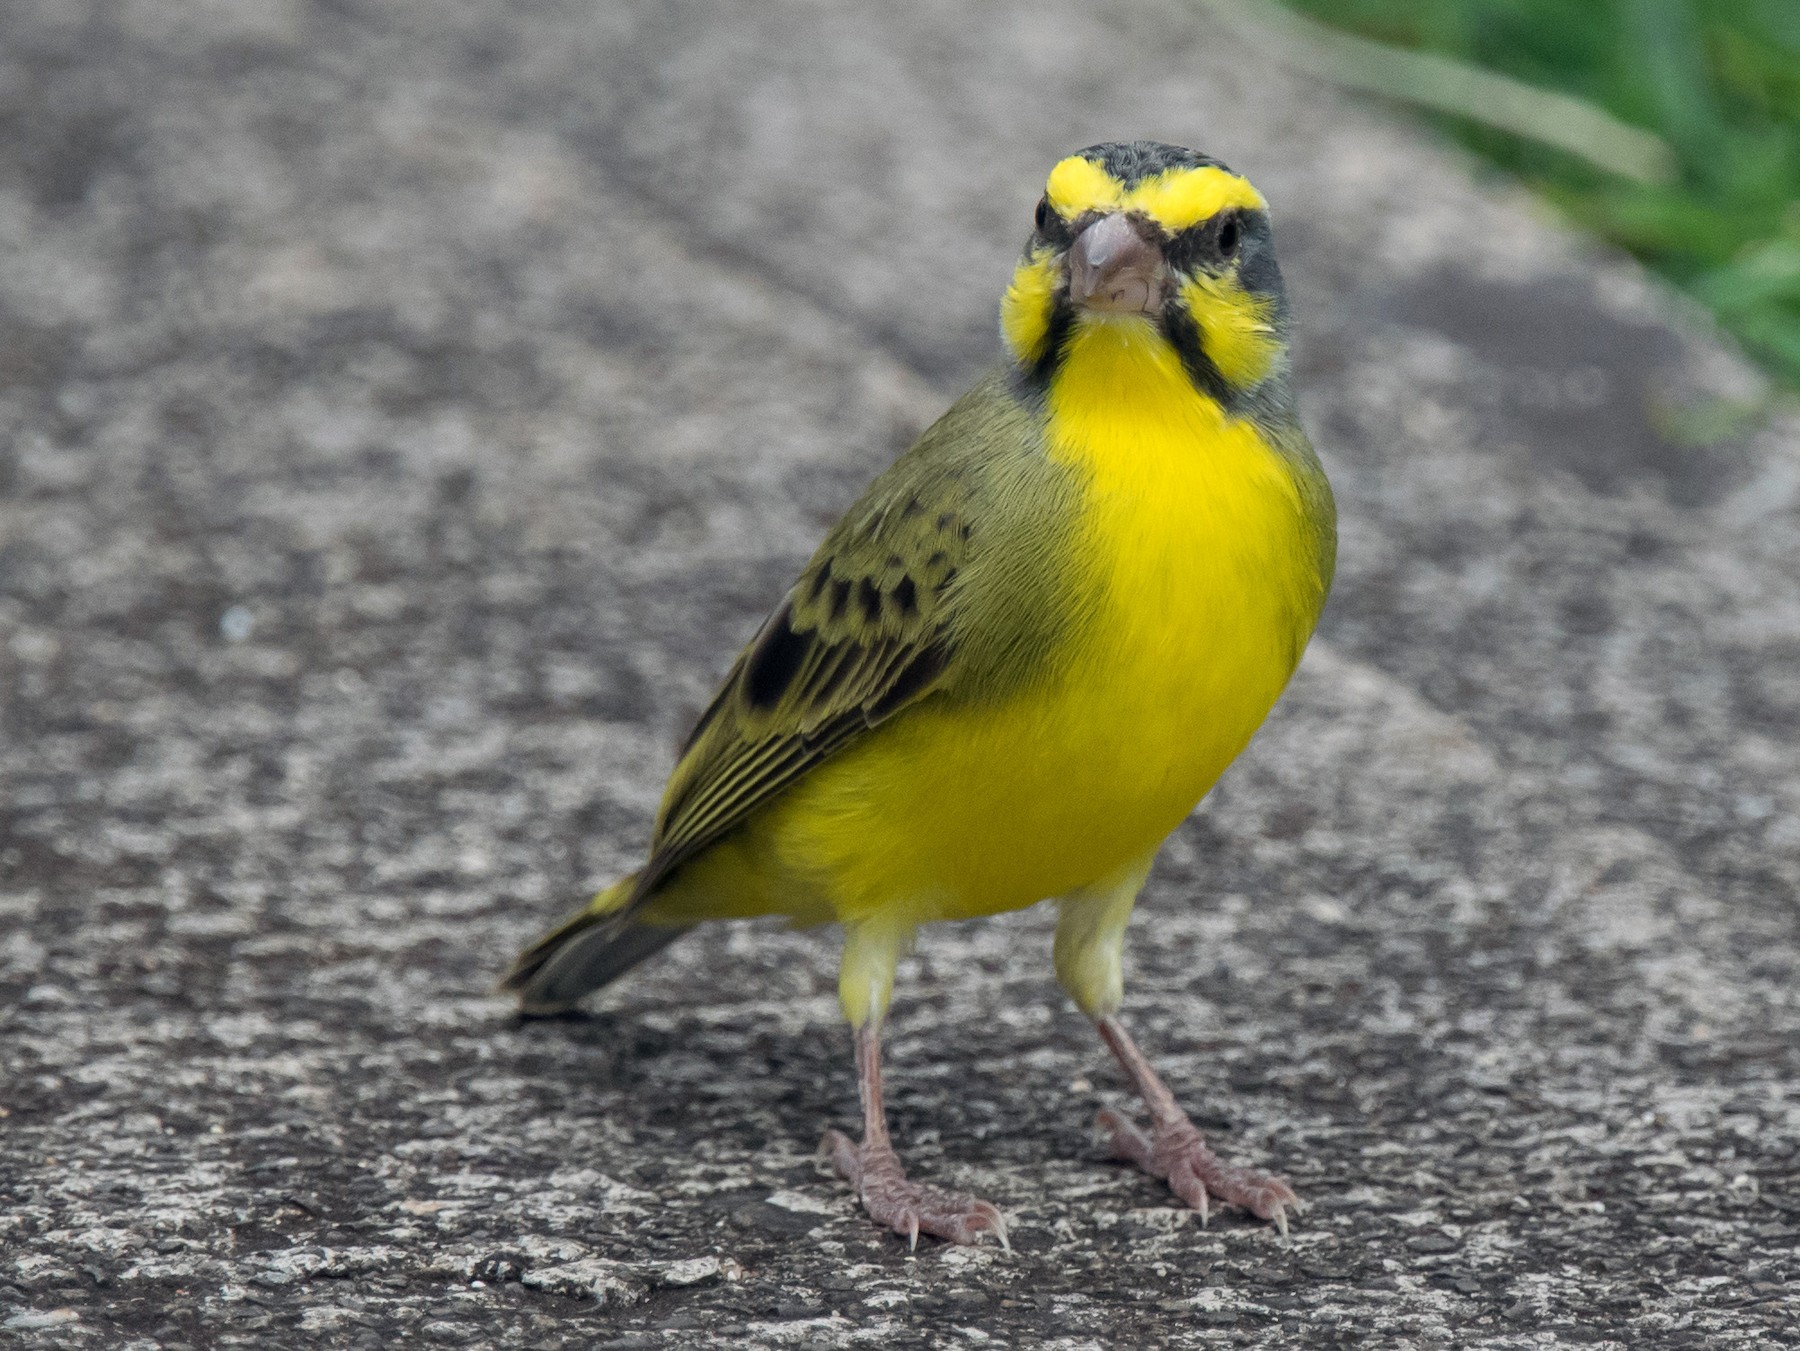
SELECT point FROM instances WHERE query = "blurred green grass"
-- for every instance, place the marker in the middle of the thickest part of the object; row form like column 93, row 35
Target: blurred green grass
column 1717, row 80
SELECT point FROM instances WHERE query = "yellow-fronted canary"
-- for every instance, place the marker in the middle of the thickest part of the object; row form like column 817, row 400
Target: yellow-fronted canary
column 1023, row 656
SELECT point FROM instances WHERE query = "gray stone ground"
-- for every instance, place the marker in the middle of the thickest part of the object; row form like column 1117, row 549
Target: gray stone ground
column 409, row 407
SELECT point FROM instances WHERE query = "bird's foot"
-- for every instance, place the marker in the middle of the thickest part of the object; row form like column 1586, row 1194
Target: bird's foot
column 1175, row 1152
column 907, row 1207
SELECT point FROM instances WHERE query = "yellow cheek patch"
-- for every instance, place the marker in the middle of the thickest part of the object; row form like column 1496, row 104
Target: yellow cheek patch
column 1175, row 199
column 1178, row 198
column 1029, row 302
column 1237, row 331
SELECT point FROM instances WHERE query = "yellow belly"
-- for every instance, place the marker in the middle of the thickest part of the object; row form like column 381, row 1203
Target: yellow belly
column 1194, row 591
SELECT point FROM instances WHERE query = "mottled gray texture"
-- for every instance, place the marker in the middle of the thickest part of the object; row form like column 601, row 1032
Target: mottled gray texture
column 405, row 410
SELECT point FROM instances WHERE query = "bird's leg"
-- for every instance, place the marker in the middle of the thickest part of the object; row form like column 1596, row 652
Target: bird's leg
column 874, row 1170
column 1174, row 1149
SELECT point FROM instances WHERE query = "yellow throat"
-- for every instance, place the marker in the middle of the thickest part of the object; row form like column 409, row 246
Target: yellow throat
column 1197, row 538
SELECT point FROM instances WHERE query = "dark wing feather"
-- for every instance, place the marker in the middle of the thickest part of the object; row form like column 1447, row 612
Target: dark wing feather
column 865, row 632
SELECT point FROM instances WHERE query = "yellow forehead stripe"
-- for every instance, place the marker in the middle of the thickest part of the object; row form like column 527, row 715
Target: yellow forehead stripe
column 1078, row 185
column 1178, row 198
column 1174, row 199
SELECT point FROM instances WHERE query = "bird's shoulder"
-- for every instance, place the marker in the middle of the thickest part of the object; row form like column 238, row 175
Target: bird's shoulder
column 925, row 585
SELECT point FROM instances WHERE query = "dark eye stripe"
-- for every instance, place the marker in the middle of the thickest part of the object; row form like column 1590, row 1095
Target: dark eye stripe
column 1055, row 230
column 1201, row 245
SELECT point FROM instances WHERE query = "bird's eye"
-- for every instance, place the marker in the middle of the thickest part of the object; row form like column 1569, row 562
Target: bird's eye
column 1044, row 214
column 1228, row 236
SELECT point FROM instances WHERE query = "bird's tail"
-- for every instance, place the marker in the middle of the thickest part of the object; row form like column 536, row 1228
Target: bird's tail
column 594, row 946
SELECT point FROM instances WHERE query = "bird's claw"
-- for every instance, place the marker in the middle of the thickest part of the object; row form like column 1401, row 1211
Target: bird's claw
column 910, row 1208
column 1175, row 1152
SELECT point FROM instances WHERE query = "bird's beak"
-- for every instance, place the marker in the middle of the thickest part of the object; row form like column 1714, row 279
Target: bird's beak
column 1116, row 268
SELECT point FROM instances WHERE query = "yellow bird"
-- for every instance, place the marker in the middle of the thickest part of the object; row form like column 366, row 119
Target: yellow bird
column 1023, row 656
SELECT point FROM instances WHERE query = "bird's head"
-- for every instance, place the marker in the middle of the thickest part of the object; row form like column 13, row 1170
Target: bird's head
column 1164, row 244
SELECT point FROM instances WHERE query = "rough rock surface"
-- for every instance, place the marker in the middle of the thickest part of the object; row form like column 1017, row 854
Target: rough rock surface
column 407, row 407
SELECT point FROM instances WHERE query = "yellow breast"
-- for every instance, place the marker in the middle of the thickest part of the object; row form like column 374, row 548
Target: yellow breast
column 1193, row 595
column 1205, row 580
